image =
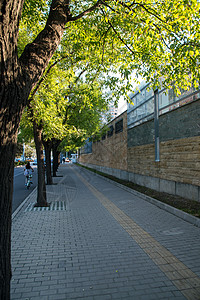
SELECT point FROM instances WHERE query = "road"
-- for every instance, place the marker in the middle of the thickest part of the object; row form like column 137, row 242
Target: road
column 20, row 191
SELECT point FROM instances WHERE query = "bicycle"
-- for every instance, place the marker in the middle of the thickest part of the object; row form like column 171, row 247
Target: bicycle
column 29, row 181
column 28, row 174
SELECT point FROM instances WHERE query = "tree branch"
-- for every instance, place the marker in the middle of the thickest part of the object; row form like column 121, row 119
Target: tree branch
column 37, row 54
column 119, row 37
column 81, row 73
column 87, row 11
column 43, row 78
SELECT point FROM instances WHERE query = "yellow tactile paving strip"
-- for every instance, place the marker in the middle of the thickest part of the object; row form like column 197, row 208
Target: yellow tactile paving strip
column 182, row 277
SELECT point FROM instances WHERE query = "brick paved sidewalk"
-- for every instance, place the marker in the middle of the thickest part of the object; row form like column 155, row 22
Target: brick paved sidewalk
column 98, row 241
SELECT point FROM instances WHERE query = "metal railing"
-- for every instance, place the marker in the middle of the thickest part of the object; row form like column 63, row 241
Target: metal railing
column 143, row 108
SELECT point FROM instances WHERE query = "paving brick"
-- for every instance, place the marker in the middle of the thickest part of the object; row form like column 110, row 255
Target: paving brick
column 40, row 298
column 84, row 252
column 29, row 295
column 16, row 296
column 57, row 297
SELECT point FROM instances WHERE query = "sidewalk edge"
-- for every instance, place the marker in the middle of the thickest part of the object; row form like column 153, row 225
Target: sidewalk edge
column 23, row 203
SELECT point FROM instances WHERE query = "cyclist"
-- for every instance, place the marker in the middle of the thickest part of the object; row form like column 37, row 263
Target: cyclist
column 27, row 171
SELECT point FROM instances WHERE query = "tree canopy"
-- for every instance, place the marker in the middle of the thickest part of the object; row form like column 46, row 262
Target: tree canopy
column 154, row 39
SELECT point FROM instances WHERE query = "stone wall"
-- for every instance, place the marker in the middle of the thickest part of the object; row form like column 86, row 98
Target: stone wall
column 131, row 154
column 178, row 171
column 110, row 152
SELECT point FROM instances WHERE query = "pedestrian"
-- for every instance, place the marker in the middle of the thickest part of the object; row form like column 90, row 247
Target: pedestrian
column 27, row 171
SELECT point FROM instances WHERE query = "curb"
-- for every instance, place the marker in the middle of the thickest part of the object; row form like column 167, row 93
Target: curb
column 175, row 211
column 23, row 203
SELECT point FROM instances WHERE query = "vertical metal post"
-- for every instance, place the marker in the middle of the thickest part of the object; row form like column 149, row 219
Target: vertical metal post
column 156, row 126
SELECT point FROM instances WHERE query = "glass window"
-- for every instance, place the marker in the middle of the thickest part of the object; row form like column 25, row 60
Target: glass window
column 132, row 117
column 141, row 111
column 143, row 95
column 171, row 95
column 168, row 101
column 149, row 93
column 163, row 99
column 135, row 100
column 110, row 131
column 150, row 106
column 119, row 126
column 139, row 99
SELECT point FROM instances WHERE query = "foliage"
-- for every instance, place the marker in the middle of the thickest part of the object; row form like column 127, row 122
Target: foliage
column 69, row 98
column 25, row 134
column 34, row 16
column 154, row 39
column 35, row 13
column 157, row 39
column 63, row 108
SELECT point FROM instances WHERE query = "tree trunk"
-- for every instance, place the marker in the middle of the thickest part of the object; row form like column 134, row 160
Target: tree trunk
column 48, row 146
column 10, row 113
column 41, row 189
column 6, row 188
column 56, row 153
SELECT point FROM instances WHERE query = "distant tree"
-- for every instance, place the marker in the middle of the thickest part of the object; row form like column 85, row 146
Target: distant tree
column 56, row 112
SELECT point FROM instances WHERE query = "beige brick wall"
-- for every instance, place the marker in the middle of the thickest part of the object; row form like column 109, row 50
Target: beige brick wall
column 179, row 160
column 111, row 152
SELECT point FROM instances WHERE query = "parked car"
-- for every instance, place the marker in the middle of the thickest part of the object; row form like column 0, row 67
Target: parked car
column 29, row 159
column 35, row 162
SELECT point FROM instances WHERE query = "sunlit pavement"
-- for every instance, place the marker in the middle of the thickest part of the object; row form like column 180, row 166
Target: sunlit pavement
column 100, row 241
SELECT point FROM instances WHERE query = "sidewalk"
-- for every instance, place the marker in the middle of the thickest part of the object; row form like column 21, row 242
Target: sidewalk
column 98, row 241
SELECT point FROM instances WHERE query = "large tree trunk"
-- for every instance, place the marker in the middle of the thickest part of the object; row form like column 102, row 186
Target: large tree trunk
column 41, row 189
column 47, row 147
column 9, row 122
column 10, row 113
column 6, row 190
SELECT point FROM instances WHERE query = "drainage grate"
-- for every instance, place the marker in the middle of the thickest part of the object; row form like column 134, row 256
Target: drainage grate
column 57, row 205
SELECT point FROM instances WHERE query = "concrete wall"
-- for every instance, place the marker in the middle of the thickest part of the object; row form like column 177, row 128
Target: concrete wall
column 130, row 154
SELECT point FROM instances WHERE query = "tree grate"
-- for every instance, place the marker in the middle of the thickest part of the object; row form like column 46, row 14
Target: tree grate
column 56, row 205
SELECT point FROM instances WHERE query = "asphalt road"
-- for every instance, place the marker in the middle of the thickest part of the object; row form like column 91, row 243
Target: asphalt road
column 20, row 191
